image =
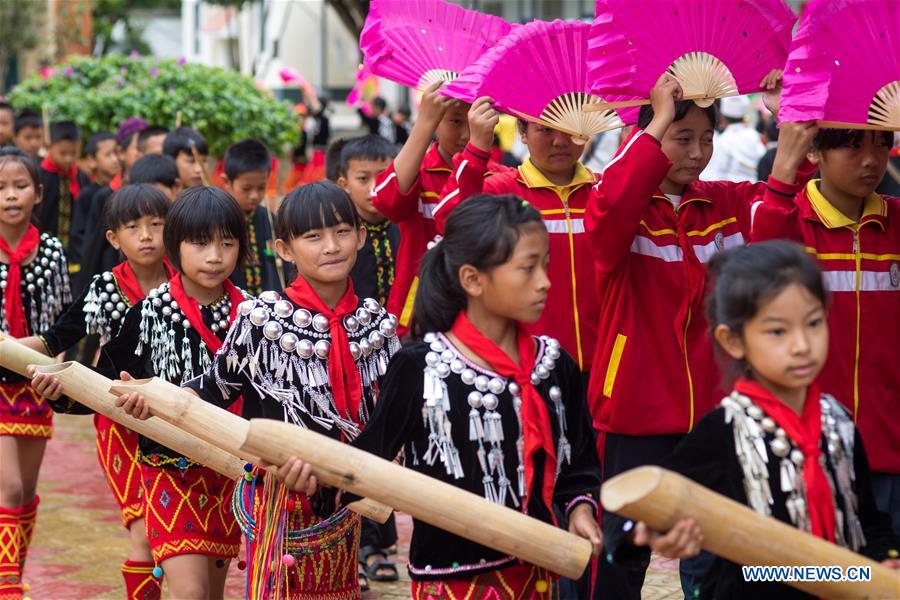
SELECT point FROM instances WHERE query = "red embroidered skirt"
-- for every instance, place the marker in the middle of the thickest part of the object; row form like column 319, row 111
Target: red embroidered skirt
column 521, row 582
column 326, row 552
column 23, row 412
column 189, row 512
column 117, row 452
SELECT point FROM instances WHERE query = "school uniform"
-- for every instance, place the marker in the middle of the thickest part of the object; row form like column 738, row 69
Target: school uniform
column 54, row 212
column 861, row 266
column 571, row 311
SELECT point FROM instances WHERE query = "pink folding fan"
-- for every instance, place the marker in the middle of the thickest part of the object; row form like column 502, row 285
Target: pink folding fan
column 538, row 73
column 715, row 48
column 844, row 66
column 418, row 42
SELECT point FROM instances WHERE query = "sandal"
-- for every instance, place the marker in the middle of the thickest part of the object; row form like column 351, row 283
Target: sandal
column 363, row 578
column 372, row 568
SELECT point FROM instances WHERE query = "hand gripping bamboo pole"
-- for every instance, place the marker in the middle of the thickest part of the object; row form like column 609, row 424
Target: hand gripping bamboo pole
column 425, row 498
column 661, row 498
column 16, row 357
column 91, row 389
column 213, row 425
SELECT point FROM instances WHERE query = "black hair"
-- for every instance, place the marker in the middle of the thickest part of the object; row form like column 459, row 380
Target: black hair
column 13, row 154
column 28, row 119
column 64, row 131
column 333, row 159
column 199, row 214
column 314, row 206
column 154, row 168
column 367, row 147
column 829, row 139
column 748, row 277
column 7, row 106
column 148, row 132
column 482, row 232
column 379, row 103
column 405, row 111
column 681, row 110
column 131, row 202
column 246, row 156
column 181, row 140
column 93, row 142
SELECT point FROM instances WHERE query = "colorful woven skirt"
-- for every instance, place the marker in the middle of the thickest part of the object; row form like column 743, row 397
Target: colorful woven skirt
column 189, row 512
column 323, row 553
column 117, row 451
column 521, row 582
column 23, row 412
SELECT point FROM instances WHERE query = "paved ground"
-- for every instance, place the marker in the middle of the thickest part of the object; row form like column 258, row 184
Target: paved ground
column 79, row 542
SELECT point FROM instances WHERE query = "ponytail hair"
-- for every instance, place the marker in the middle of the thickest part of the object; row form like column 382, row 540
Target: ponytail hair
column 481, row 232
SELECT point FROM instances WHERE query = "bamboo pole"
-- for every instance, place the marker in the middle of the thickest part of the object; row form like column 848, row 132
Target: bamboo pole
column 661, row 498
column 425, row 498
column 92, row 389
column 212, row 424
column 16, row 357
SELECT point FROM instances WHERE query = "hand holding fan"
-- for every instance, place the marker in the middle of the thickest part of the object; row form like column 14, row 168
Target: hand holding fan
column 419, row 42
column 538, row 73
column 714, row 48
column 844, row 66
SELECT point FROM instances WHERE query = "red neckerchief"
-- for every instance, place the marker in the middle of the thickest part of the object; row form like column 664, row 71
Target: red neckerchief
column 72, row 175
column 116, row 182
column 806, row 431
column 536, row 427
column 16, row 324
column 191, row 309
column 346, row 387
column 128, row 283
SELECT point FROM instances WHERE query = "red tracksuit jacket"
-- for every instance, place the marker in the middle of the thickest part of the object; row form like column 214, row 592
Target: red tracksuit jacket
column 654, row 371
column 861, row 264
column 412, row 212
column 571, row 311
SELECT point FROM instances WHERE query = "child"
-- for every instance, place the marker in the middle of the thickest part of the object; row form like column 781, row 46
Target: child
column 173, row 334
column 517, row 432
column 379, row 121
column 324, row 350
column 136, row 216
column 101, row 154
column 407, row 192
column 29, row 136
column 62, row 181
column 7, row 124
column 776, row 443
column 181, row 145
column 554, row 181
column 159, row 171
column 362, row 159
column 853, row 232
column 247, row 168
column 34, row 285
column 652, row 227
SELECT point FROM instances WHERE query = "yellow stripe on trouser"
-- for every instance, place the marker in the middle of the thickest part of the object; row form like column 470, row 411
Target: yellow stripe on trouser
column 406, row 315
column 612, row 368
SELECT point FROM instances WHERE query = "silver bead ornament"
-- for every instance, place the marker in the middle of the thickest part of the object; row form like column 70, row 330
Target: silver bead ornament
column 259, row 316
column 768, row 425
column 514, row 388
column 355, row 350
column 270, row 297
column 496, row 386
column 432, row 359
column 176, row 317
column 555, row 394
column 548, row 362
column 372, row 306
column 166, row 311
column 755, row 412
column 388, row 328
column 156, row 302
column 116, row 315
column 475, row 399
column 120, row 306
column 437, row 346
column 744, row 401
column 366, row 346
column 107, row 276
column 535, row 380
column 457, row 366
column 302, row 318
column 186, row 324
column 110, row 288
column 429, row 337
column 481, row 383
column 45, row 262
column 153, row 293
column 2, row 284
column 320, row 323
column 288, row 342
column 780, row 447
column 55, row 255
column 215, row 328
column 491, row 402
column 29, row 277
column 283, row 309
column 272, row 330
column 377, row 339
column 447, row 355
column 467, row 376
column 363, row 316
column 40, row 282
column 103, row 296
column 797, row 457
column 542, row 372
column 351, row 323
column 443, row 370
column 114, row 297
column 305, row 349
column 323, row 349
column 167, row 297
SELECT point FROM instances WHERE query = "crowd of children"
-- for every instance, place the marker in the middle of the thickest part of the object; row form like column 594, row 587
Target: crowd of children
column 521, row 333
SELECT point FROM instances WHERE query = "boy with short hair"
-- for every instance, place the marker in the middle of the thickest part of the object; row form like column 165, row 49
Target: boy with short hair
column 29, row 132
column 7, row 124
column 62, row 182
column 101, row 154
column 247, row 168
column 181, row 145
column 160, row 171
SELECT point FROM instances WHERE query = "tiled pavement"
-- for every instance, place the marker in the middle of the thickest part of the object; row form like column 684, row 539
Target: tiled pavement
column 79, row 542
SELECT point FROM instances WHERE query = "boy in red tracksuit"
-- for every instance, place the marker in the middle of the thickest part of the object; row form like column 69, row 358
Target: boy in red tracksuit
column 652, row 226
column 554, row 182
column 407, row 192
column 855, row 234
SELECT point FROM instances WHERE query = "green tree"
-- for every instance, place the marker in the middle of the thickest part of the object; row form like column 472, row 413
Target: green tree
column 19, row 30
column 98, row 93
column 106, row 14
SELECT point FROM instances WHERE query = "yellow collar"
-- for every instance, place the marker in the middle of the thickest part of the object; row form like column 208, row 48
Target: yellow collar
column 874, row 209
column 533, row 178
